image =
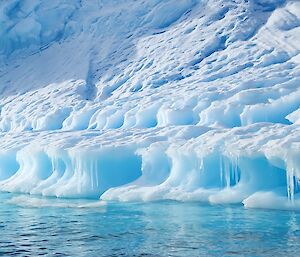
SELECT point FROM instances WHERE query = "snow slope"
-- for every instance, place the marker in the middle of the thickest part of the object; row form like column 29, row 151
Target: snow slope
column 145, row 100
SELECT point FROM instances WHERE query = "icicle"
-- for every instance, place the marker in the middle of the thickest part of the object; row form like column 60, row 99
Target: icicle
column 236, row 169
column 78, row 173
column 221, row 170
column 91, row 169
column 96, row 170
column 201, row 165
column 227, row 170
column 290, row 183
column 297, row 184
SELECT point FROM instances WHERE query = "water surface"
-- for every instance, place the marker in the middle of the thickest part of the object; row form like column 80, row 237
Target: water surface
column 32, row 226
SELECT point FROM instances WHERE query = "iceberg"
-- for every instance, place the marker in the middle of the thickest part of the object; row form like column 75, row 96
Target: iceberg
column 148, row 100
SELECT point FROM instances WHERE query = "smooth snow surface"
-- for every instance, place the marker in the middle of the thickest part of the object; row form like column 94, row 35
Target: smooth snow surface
column 146, row 100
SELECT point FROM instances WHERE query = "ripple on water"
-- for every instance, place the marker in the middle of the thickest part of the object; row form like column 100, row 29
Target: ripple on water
column 61, row 228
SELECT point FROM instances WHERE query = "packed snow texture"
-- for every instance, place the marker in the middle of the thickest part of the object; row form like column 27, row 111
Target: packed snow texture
column 131, row 100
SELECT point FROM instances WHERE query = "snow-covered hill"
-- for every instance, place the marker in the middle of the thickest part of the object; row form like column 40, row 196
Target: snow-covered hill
column 148, row 100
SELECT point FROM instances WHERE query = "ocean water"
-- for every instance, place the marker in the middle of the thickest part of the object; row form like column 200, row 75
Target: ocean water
column 33, row 226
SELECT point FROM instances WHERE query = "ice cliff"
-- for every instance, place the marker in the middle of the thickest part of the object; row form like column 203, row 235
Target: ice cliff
column 134, row 100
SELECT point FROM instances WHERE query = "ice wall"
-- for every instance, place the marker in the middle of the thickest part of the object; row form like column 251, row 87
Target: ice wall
column 148, row 100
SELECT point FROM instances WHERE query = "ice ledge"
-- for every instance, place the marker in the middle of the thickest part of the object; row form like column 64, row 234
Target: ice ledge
column 215, row 166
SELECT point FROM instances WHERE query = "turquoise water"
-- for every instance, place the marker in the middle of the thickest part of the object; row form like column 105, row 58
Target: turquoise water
column 33, row 226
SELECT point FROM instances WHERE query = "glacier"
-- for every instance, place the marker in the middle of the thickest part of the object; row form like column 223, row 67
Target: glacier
column 127, row 100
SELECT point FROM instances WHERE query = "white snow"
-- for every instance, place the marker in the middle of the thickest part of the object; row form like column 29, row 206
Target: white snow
column 145, row 100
